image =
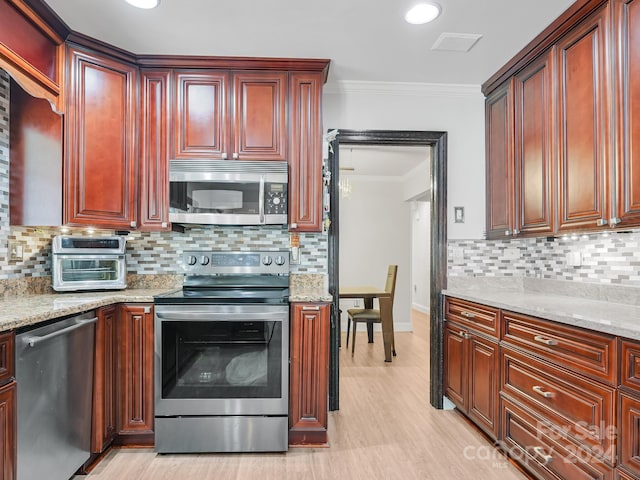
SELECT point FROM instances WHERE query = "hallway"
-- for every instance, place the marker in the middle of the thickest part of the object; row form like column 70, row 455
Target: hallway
column 385, row 429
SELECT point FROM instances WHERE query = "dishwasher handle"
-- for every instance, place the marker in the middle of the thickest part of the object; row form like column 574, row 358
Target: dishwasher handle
column 34, row 340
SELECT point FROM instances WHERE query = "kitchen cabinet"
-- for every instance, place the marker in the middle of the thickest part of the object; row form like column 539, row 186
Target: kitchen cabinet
column 583, row 76
column 154, row 118
column 499, row 153
column 135, row 374
column 8, row 412
column 533, row 148
column 309, row 374
column 629, row 408
column 230, row 115
column 627, row 111
column 305, row 158
column 32, row 51
column 100, row 141
column 471, row 364
column 104, row 419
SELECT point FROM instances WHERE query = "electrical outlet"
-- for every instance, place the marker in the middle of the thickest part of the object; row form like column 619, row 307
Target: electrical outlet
column 16, row 250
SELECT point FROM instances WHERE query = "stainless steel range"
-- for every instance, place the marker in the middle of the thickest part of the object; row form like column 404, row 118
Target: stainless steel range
column 222, row 355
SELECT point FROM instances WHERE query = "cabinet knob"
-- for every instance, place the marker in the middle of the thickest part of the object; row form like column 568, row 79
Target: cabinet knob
column 614, row 221
column 224, row 155
column 235, row 156
column 516, row 231
column 293, row 226
column 507, row 233
column 133, row 224
column 464, row 334
column 601, row 222
column 165, row 224
column 467, row 314
column 541, row 453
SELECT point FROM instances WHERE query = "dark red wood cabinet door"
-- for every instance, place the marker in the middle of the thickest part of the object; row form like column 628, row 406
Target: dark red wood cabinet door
column 484, row 368
column 104, row 423
column 627, row 22
column 201, row 128
column 8, row 431
column 499, row 158
column 135, row 374
column 456, row 370
column 154, row 151
column 583, row 111
column 305, row 157
column 100, row 142
column 259, row 124
column 533, row 154
column 309, row 374
column 629, row 433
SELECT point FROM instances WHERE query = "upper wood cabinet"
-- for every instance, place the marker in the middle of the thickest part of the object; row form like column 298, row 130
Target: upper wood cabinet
column 305, row 158
column 100, row 141
column 230, row 115
column 627, row 112
column 154, row 115
column 499, row 153
column 533, row 152
column 583, row 124
column 32, row 52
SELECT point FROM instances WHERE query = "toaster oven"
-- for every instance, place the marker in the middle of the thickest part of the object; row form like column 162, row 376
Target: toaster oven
column 88, row 263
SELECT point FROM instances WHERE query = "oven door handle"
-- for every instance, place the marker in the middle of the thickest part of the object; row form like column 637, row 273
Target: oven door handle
column 228, row 316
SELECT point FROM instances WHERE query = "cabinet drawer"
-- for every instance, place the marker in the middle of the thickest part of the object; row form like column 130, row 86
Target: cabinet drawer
column 479, row 317
column 579, row 408
column 590, row 353
column 7, row 371
column 630, row 365
column 629, row 430
column 547, row 456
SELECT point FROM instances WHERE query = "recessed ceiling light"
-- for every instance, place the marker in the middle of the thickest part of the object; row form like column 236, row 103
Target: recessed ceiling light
column 144, row 3
column 422, row 13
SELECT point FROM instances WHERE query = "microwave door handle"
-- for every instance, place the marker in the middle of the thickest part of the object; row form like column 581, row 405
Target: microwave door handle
column 261, row 199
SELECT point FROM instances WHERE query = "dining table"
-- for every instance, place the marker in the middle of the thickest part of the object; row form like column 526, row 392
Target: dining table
column 368, row 293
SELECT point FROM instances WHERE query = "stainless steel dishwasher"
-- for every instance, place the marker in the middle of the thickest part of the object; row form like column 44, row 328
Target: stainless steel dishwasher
column 54, row 371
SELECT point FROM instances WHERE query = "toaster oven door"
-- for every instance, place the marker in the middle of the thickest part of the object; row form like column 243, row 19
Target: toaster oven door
column 89, row 272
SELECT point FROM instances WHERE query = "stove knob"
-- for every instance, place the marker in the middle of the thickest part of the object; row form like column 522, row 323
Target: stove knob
column 192, row 260
column 280, row 260
column 266, row 260
column 204, row 260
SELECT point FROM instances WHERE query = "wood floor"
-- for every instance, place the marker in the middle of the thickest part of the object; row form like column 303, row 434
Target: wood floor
column 385, row 429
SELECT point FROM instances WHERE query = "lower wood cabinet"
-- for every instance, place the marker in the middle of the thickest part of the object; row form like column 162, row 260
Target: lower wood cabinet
column 8, row 430
column 135, row 374
column 309, row 374
column 471, row 375
column 104, row 422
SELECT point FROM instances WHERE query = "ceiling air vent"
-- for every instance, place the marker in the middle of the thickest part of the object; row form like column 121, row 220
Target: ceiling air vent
column 456, row 42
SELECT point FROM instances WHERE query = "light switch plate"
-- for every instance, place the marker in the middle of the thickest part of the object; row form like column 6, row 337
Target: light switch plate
column 16, row 251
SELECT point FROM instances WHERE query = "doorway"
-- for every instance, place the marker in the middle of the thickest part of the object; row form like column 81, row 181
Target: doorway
column 437, row 141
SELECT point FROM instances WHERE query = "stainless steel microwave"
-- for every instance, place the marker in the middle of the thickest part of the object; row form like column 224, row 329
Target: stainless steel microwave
column 228, row 192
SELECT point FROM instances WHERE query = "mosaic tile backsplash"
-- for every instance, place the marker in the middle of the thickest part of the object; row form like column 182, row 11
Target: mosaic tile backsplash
column 612, row 258
column 158, row 253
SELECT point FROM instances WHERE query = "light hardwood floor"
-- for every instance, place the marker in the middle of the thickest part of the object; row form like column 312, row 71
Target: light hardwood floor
column 385, row 429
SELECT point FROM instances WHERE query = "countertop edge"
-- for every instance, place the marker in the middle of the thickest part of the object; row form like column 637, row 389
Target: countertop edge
column 619, row 319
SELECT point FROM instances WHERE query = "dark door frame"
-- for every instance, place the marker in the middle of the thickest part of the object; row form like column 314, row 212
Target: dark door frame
column 438, row 181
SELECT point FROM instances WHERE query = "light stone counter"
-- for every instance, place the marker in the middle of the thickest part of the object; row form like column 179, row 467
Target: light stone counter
column 28, row 310
column 608, row 317
column 309, row 288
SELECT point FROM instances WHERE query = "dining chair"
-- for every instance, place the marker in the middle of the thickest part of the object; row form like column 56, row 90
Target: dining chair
column 371, row 315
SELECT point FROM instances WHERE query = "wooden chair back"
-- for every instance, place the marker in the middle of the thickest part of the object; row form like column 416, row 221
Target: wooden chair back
column 390, row 285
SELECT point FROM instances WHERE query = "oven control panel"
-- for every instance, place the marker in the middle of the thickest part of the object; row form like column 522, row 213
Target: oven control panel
column 232, row 262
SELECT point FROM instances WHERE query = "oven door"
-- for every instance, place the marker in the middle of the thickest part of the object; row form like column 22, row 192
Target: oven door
column 221, row 359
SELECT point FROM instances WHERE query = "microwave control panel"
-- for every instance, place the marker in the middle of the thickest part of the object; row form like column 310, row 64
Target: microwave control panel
column 275, row 199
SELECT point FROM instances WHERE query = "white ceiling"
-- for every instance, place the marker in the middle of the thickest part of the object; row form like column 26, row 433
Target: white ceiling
column 366, row 40
column 381, row 160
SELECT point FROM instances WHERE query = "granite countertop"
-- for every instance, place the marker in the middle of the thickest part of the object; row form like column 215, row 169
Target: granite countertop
column 28, row 310
column 309, row 293
column 603, row 316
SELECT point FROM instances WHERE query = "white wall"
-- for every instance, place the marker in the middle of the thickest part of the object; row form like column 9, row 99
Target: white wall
column 375, row 231
column 458, row 110
column 420, row 255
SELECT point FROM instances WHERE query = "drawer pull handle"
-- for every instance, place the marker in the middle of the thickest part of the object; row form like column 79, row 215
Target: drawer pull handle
column 464, row 334
column 467, row 314
column 546, row 341
column 539, row 451
column 538, row 389
column 315, row 308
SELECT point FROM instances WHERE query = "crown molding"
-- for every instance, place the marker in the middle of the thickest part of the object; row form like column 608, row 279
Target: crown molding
column 403, row 89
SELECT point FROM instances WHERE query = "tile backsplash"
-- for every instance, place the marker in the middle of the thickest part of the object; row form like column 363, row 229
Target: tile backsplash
column 157, row 253
column 605, row 258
